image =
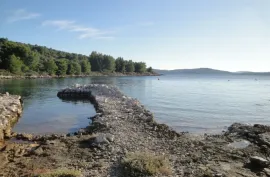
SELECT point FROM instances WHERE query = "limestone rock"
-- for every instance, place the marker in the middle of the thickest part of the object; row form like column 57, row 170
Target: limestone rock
column 265, row 138
column 267, row 171
column 10, row 111
column 3, row 159
column 104, row 139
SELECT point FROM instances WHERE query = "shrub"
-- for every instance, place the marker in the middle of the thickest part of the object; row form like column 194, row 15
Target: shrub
column 5, row 73
column 144, row 164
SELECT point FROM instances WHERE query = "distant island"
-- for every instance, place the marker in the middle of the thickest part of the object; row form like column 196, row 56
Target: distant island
column 207, row 71
column 20, row 59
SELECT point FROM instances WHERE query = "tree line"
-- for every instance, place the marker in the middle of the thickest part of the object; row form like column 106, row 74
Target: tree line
column 20, row 58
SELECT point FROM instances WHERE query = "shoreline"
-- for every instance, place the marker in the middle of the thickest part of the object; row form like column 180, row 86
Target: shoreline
column 92, row 74
column 123, row 126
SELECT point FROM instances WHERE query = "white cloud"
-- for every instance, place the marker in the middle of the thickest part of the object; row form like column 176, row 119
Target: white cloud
column 21, row 14
column 84, row 32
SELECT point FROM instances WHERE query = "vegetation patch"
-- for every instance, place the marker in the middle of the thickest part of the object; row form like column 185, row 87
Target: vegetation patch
column 61, row 173
column 145, row 164
column 26, row 59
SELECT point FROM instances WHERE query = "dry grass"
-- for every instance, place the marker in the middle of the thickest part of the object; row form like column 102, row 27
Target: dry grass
column 145, row 164
column 61, row 173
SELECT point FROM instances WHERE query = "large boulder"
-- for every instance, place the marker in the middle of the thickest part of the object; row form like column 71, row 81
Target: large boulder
column 10, row 111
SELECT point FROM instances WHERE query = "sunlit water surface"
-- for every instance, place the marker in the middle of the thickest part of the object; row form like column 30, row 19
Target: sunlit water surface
column 194, row 103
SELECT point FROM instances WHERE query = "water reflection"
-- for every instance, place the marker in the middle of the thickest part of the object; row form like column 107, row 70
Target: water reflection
column 188, row 103
column 43, row 111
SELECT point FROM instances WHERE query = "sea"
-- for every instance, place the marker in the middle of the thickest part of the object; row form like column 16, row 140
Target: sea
column 194, row 103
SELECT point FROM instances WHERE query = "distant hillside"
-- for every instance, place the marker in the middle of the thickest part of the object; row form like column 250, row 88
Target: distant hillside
column 252, row 73
column 206, row 71
column 192, row 71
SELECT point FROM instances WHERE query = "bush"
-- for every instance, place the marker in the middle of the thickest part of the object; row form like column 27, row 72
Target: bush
column 31, row 73
column 61, row 173
column 144, row 164
column 5, row 73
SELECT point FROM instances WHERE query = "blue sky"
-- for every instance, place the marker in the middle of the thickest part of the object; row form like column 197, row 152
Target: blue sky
column 230, row 35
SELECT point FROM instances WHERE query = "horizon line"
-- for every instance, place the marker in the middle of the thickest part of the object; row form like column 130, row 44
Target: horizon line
column 213, row 69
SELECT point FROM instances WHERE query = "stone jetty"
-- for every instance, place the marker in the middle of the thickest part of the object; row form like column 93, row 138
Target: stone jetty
column 123, row 139
column 10, row 111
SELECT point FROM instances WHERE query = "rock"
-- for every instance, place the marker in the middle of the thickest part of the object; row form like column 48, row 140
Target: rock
column 267, row 171
column 101, row 139
column 264, row 138
column 82, row 131
column 25, row 136
column 240, row 144
column 3, row 158
column 11, row 109
column 38, row 151
column 110, row 137
column 77, row 85
column 259, row 161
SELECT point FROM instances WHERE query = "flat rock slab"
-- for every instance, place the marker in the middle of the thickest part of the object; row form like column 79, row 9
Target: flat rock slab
column 10, row 111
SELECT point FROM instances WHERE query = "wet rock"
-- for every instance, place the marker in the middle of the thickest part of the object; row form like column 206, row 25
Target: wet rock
column 259, row 161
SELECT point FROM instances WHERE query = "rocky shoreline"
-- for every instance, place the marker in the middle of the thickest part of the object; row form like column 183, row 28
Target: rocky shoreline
column 122, row 126
column 89, row 75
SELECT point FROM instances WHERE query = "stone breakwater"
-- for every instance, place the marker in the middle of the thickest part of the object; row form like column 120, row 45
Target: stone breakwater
column 10, row 111
column 122, row 126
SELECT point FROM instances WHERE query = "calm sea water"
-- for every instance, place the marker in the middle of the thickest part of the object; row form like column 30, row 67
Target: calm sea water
column 194, row 103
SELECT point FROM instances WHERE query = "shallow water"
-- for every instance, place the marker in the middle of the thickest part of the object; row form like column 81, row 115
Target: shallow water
column 194, row 103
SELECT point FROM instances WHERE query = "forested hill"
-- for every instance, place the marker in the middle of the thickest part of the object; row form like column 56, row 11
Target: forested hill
column 20, row 58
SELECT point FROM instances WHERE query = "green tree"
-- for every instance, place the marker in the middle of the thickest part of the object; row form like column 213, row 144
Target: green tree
column 71, row 69
column 15, row 64
column 77, row 67
column 50, row 67
column 74, row 68
column 140, row 67
column 86, row 66
column 24, row 68
column 44, row 59
column 120, row 65
column 96, row 60
column 150, row 69
column 32, row 61
column 130, row 66
column 108, row 63
column 62, row 66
